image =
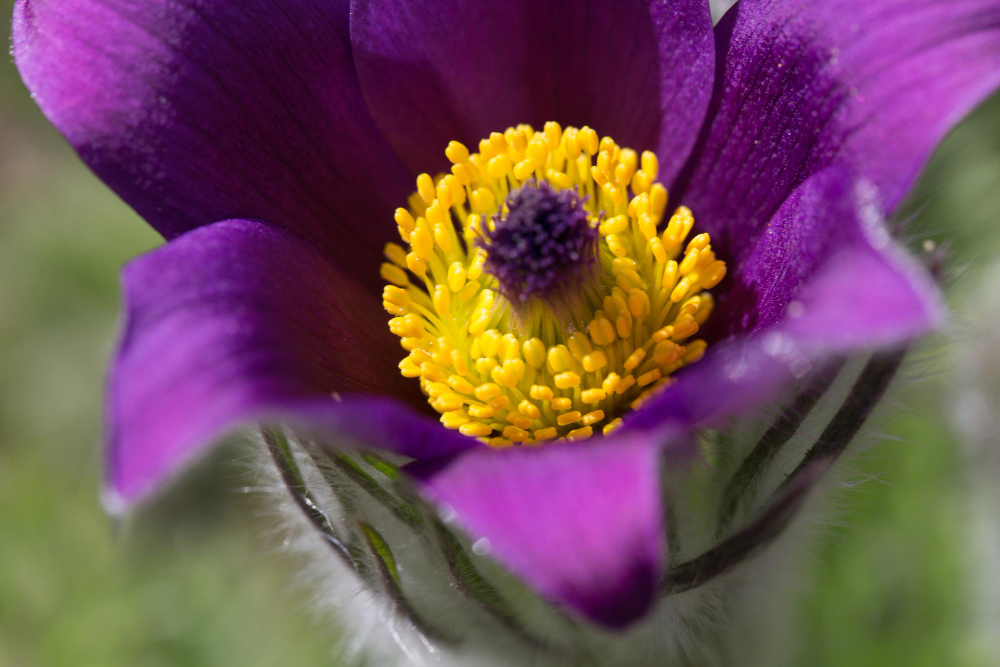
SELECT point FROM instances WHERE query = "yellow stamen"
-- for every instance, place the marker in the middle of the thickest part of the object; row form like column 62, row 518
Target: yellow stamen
column 533, row 375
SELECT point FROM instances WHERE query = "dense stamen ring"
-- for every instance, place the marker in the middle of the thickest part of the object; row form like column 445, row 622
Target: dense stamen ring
column 546, row 368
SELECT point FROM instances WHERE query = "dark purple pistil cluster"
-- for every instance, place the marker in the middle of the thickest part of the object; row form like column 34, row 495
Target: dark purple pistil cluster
column 544, row 244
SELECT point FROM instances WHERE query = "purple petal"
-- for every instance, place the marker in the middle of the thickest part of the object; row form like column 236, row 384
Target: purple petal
column 873, row 84
column 197, row 112
column 225, row 323
column 824, row 278
column 638, row 70
column 581, row 522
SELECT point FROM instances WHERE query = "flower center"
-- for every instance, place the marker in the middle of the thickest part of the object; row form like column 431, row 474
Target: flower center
column 541, row 296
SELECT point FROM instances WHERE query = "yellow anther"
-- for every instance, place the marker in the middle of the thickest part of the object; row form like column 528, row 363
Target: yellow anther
column 623, row 325
column 566, row 380
column 650, row 164
column 559, row 179
column 588, row 140
column 649, row 377
column 395, row 254
column 463, row 173
column 610, row 383
column 499, row 403
column 580, row 434
column 591, row 396
column 456, row 152
column 599, row 176
column 421, row 356
column 481, row 411
column 670, row 275
column 422, row 242
column 460, row 384
column 616, row 245
column 393, row 274
column 483, row 200
column 647, row 226
column 545, row 433
column 568, row 418
column 442, row 299
column 416, row 264
column 634, row 359
column 499, row 443
column 714, row 274
column 615, row 225
column 476, row 429
column 638, row 302
column 529, row 410
column 578, row 345
column 448, row 402
column 455, row 419
column 694, row 351
column 561, row 404
column 538, row 149
column 690, row 261
column 394, row 309
column 641, row 182
column 499, row 166
column 516, row 142
column 408, row 368
column 612, row 426
column 425, row 187
column 485, row 392
column 515, row 366
column 524, row 169
column 659, row 253
column 395, row 295
column 514, row 433
column 559, row 358
column 534, row 352
column 518, row 420
column 601, row 331
column 489, row 343
column 476, row 266
column 470, row 290
column 666, row 352
column 681, row 290
column 410, row 344
column 657, row 201
column 594, row 361
column 410, row 326
column 553, row 133
column 510, row 347
column 626, row 383
column 456, row 277
column 540, row 392
column 485, row 365
column 504, row 377
column 404, row 219
column 593, row 417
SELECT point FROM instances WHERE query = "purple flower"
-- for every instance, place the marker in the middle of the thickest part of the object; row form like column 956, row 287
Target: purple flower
column 269, row 142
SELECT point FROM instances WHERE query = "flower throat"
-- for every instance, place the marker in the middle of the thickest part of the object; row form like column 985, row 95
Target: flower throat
column 540, row 296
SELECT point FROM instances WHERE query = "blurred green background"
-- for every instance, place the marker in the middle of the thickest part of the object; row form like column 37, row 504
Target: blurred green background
column 895, row 582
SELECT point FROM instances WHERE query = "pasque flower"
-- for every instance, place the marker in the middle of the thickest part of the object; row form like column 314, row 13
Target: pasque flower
column 573, row 329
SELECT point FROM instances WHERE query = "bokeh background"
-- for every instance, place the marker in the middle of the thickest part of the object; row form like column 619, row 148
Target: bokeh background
column 906, row 574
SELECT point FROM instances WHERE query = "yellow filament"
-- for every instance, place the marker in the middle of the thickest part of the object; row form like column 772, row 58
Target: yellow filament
column 537, row 376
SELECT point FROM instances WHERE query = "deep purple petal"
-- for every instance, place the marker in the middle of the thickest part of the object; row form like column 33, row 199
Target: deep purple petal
column 226, row 322
column 637, row 70
column 581, row 522
column 197, row 112
column 824, row 278
column 872, row 84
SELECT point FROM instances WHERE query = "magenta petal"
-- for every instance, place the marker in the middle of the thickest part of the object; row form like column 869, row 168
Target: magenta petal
column 638, row 70
column 581, row 522
column 224, row 323
column 197, row 112
column 872, row 84
column 823, row 278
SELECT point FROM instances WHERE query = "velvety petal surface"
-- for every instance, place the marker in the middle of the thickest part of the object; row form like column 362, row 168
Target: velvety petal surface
column 231, row 322
column 637, row 70
column 873, row 84
column 825, row 277
column 201, row 111
column 581, row 522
